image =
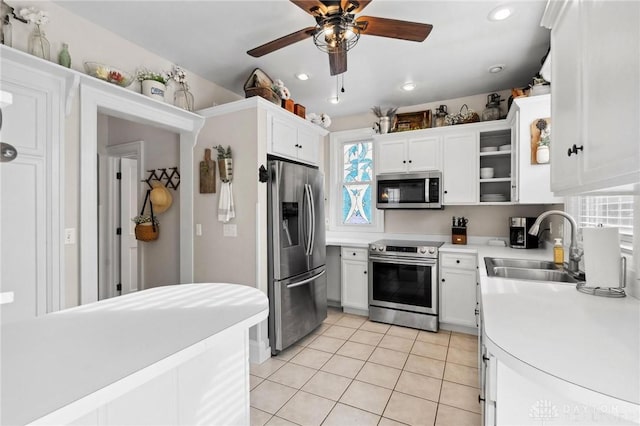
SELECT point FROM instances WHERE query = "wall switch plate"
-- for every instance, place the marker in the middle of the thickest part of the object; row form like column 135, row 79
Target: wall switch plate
column 198, row 229
column 230, row 230
column 70, row 236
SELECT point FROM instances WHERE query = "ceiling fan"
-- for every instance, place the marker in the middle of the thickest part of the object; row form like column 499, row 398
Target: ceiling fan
column 338, row 30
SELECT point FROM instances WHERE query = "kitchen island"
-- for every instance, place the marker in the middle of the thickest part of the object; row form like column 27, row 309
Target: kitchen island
column 167, row 355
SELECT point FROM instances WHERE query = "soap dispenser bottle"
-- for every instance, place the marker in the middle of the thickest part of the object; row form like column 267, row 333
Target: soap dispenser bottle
column 558, row 252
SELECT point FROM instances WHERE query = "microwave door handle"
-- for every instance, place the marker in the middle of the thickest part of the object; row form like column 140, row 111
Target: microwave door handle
column 313, row 220
column 426, row 191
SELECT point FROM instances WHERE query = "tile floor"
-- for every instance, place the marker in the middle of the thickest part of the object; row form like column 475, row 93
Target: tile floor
column 351, row 371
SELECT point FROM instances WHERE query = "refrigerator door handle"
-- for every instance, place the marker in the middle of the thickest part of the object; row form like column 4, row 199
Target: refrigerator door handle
column 309, row 219
column 308, row 280
column 313, row 221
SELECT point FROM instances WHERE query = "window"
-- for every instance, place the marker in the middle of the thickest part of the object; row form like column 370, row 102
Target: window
column 352, row 202
column 357, row 180
column 612, row 211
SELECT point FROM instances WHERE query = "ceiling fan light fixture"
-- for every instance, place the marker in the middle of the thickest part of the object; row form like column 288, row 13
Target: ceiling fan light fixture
column 500, row 13
column 494, row 69
column 333, row 34
column 408, row 86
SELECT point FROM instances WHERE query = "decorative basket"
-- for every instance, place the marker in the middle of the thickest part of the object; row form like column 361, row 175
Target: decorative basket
column 259, row 84
column 263, row 92
column 147, row 232
column 465, row 116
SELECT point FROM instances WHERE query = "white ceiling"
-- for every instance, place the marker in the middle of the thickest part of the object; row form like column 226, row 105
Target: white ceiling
column 211, row 38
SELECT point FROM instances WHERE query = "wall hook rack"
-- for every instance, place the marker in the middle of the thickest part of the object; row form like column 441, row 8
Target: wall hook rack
column 170, row 179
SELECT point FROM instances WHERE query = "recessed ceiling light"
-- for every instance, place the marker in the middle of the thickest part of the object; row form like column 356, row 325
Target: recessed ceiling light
column 302, row 76
column 500, row 13
column 407, row 87
column 496, row 68
column 334, row 99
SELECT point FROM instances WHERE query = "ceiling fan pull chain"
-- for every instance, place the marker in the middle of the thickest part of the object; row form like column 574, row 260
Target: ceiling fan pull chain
column 342, row 90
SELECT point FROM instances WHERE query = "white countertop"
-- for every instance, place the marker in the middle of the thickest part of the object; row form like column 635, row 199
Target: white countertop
column 56, row 359
column 589, row 341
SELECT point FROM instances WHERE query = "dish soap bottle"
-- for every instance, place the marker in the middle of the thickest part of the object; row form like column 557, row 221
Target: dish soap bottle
column 558, row 252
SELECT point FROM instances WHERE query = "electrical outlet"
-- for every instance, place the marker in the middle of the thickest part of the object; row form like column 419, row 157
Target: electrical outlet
column 198, row 230
column 70, row 236
column 230, row 230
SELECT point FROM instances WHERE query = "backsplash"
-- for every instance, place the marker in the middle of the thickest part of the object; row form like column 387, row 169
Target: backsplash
column 484, row 221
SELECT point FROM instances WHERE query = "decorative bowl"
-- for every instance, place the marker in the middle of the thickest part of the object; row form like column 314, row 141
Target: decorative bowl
column 486, row 172
column 108, row 73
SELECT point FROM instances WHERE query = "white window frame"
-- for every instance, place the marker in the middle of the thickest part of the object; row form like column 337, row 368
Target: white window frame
column 336, row 142
column 573, row 207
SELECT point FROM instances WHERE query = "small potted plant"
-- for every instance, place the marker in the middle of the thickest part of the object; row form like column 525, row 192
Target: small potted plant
column 225, row 163
column 152, row 84
column 384, row 118
column 542, row 153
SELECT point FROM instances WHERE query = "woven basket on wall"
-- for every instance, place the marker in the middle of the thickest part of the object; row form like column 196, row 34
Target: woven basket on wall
column 147, row 232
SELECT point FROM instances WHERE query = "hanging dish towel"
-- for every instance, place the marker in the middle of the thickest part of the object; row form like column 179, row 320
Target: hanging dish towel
column 226, row 210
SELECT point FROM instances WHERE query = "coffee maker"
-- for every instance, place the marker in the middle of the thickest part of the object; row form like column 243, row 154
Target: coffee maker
column 519, row 233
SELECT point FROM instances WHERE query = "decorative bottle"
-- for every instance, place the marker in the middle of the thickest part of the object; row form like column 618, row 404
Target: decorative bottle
column 64, row 58
column 558, row 252
column 183, row 98
column 38, row 44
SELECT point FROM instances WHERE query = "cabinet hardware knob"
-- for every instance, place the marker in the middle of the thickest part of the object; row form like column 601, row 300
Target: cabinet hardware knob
column 443, row 280
column 410, row 161
column 365, row 272
column 485, row 358
column 354, row 254
column 477, row 312
column 574, row 150
column 480, row 399
column 446, row 192
column 457, row 260
column 404, row 161
column 513, row 187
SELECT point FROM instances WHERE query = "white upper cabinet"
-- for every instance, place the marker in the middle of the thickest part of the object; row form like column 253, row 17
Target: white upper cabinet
column 293, row 139
column 408, row 152
column 460, row 168
column 595, row 74
column 533, row 183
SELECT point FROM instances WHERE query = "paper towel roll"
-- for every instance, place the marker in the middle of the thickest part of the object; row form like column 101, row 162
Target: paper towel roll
column 601, row 256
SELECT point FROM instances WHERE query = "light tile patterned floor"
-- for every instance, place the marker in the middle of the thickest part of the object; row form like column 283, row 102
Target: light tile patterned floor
column 353, row 371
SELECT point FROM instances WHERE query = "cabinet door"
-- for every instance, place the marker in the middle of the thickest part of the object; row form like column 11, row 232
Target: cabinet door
column 566, row 99
column 611, row 86
column 284, row 138
column 391, row 156
column 355, row 292
column 424, row 154
column 460, row 167
column 458, row 296
column 308, row 144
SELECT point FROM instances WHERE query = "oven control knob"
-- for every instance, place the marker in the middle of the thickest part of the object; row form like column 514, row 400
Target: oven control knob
column 432, row 250
column 380, row 248
column 373, row 248
column 423, row 250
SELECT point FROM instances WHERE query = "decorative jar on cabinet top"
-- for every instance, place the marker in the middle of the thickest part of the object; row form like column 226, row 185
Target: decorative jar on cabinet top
column 38, row 44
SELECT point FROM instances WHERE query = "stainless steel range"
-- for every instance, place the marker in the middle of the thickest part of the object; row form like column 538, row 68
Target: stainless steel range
column 403, row 283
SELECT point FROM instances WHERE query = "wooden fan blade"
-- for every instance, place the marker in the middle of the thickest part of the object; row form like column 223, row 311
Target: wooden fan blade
column 338, row 60
column 311, row 6
column 393, row 28
column 282, row 42
column 361, row 5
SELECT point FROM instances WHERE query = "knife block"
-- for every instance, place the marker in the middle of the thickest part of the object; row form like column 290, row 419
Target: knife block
column 459, row 235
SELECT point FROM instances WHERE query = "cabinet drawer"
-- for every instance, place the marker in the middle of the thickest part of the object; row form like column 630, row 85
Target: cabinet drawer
column 353, row 253
column 459, row 261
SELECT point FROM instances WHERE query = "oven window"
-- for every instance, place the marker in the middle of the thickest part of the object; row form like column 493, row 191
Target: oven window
column 402, row 284
column 405, row 191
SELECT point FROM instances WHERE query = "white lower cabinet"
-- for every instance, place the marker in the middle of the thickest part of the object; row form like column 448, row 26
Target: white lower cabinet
column 458, row 289
column 355, row 279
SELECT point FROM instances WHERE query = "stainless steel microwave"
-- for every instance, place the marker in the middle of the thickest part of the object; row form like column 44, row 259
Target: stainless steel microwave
column 421, row 190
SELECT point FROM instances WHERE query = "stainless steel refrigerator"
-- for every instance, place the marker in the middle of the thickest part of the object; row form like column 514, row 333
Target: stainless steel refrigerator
column 297, row 252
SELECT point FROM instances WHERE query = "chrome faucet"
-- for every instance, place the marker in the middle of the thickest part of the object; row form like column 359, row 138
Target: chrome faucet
column 575, row 254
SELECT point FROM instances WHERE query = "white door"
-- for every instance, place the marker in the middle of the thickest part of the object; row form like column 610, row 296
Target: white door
column 354, row 285
column 458, row 296
column 24, row 207
column 391, row 156
column 128, row 209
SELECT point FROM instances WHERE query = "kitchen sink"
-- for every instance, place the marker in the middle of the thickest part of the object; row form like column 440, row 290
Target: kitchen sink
column 524, row 269
column 532, row 274
column 520, row 263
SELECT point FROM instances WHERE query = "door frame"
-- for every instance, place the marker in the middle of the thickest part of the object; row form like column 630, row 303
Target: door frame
column 132, row 150
column 99, row 97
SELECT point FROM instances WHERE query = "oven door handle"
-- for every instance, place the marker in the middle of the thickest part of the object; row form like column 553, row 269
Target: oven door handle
column 404, row 261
